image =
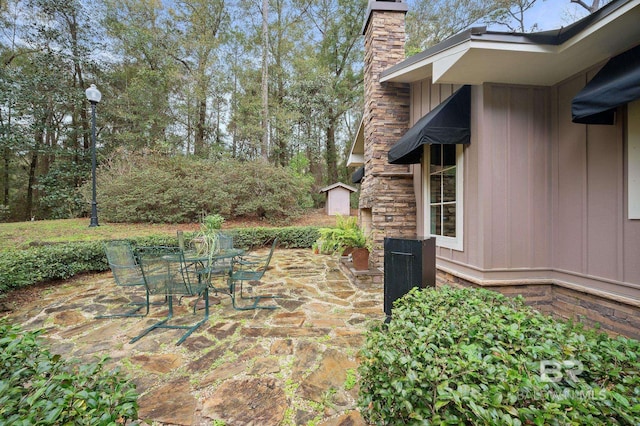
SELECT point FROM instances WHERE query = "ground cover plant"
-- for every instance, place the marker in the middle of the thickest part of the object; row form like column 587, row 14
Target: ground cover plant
column 475, row 357
column 37, row 387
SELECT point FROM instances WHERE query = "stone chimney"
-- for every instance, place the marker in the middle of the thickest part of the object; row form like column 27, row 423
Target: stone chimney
column 387, row 200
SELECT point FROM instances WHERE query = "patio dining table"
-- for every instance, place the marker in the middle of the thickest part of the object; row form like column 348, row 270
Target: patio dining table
column 218, row 264
column 223, row 257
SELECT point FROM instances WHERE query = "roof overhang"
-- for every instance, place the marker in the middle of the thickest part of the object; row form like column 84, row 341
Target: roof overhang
column 338, row 185
column 477, row 56
column 356, row 155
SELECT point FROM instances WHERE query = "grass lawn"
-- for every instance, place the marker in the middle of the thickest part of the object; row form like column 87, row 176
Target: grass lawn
column 26, row 234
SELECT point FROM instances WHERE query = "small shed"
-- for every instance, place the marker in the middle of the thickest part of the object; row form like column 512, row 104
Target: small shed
column 338, row 199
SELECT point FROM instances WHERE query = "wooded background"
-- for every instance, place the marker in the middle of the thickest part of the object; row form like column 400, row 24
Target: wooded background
column 250, row 80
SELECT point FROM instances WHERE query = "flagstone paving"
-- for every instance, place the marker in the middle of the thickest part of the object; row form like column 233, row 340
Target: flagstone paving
column 294, row 365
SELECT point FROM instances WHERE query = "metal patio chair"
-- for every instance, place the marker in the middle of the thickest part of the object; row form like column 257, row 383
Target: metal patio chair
column 165, row 272
column 250, row 267
column 126, row 273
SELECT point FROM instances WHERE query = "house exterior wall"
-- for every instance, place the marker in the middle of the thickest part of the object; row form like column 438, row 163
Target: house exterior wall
column 544, row 197
column 545, row 203
column 338, row 202
column 594, row 242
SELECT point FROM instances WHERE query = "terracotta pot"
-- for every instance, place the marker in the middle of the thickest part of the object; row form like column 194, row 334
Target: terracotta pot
column 347, row 251
column 360, row 258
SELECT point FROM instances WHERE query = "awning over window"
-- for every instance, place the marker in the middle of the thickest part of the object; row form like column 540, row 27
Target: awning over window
column 617, row 83
column 448, row 123
column 358, row 175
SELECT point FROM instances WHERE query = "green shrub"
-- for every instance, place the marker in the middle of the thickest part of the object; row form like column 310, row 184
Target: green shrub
column 157, row 189
column 346, row 234
column 37, row 387
column 475, row 357
column 288, row 237
column 19, row 268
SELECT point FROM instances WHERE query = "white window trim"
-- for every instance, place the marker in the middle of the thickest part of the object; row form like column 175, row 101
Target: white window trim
column 633, row 159
column 446, row 242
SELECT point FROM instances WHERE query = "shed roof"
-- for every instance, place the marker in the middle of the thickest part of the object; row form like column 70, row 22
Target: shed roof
column 338, row 185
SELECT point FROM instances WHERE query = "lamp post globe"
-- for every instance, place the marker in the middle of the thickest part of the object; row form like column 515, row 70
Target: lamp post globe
column 94, row 96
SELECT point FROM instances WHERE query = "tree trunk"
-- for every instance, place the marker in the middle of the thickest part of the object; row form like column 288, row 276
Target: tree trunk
column 198, row 144
column 331, row 154
column 264, row 147
column 33, row 165
column 7, row 160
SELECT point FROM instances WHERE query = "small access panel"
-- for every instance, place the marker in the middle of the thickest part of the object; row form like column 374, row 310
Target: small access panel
column 408, row 263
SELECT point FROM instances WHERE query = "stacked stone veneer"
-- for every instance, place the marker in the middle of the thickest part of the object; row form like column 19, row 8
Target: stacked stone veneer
column 387, row 190
column 611, row 316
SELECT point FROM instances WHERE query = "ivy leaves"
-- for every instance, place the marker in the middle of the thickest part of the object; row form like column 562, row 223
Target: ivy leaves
column 465, row 356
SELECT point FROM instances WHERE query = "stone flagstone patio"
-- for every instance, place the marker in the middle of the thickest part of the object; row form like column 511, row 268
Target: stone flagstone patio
column 295, row 365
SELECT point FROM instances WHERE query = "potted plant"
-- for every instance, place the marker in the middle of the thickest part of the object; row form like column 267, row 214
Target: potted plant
column 206, row 240
column 337, row 239
column 361, row 247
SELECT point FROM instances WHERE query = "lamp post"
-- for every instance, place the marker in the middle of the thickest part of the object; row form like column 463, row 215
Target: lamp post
column 94, row 96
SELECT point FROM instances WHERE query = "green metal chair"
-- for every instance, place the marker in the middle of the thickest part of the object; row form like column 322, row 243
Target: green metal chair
column 165, row 272
column 250, row 267
column 126, row 273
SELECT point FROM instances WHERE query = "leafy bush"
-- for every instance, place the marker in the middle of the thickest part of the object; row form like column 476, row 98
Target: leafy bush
column 37, row 387
column 475, row 357
column 59, row 193
column 19, row 268
column 346, row 234
column 157, row 189
column 288, row 237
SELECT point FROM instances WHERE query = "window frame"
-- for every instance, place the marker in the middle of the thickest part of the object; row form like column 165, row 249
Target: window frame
column 633, row 160
column 454, row 243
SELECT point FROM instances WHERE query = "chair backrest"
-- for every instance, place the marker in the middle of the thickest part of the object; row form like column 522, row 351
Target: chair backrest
column 270, row 255
column 256, row 266
column 225, row 241
column 123, row 264
column 165, row 271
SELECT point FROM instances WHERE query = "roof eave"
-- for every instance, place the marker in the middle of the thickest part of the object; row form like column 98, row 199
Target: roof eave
column 475, row 56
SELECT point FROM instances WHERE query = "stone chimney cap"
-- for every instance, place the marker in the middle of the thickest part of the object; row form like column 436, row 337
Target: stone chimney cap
column 384, row 5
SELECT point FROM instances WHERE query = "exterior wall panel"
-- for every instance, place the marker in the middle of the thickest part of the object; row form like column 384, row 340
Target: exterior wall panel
column 517, row 145
column 571, row 184
column 544, row 198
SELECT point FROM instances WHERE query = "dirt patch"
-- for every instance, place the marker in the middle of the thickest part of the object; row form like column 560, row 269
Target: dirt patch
column 15, row 299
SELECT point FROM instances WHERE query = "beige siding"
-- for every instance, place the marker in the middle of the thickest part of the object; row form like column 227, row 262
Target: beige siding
column 592, row 233
column 545, row 199
column 515, row 148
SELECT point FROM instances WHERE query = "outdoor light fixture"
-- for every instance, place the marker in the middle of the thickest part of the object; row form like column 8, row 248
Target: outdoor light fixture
column 94, row 96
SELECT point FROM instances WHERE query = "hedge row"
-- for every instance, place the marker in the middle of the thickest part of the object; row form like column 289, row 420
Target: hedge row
column 20, row 268
column 476, row 357
column 39, row 388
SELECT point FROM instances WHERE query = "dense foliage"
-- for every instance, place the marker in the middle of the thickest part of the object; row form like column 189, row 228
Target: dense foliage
column 37, row 387
column 19, row 268
column 176, row 77
column 475, row 357
column 160, row 189
column 345, row 235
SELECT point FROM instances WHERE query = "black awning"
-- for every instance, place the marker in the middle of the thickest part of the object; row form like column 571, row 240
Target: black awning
column 358, row 175
column 448, row 123
column 617, row 83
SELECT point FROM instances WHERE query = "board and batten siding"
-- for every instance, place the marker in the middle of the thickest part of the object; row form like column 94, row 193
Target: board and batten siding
column 544, row 198
column 593, row 238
